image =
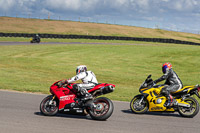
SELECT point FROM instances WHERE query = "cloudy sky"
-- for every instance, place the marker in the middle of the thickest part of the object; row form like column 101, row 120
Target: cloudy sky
column 177, row 15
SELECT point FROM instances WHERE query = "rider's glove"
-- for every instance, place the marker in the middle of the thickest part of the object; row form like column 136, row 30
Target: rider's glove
column 62, row 82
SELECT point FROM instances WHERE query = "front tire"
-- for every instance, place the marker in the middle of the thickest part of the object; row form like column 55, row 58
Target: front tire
column 49, row 109
column 103, row 110
column 191, row 111
column 139, row 108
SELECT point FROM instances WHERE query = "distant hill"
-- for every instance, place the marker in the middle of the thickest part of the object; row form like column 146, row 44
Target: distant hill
column 23, row 25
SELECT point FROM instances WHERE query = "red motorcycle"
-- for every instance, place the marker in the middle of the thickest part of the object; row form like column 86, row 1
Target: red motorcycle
column 67, row 99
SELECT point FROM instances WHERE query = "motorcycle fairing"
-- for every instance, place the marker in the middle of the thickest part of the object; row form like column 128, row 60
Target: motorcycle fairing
column 153, row 97
column 64, row 95
column 185, row 89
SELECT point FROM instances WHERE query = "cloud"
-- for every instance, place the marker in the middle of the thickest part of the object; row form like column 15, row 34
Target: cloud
column 6, row 5
column 99, row 7
column 17, row 6
column 125, row 11
column 73, row 5
column 184, row 5
column 180, row 5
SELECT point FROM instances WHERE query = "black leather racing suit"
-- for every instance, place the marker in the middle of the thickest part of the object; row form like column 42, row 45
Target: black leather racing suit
column 172, row 84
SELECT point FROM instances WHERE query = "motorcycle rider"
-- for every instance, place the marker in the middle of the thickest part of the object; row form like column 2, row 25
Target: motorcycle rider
column 88, row 78
column 37, row 37
column 172, row 83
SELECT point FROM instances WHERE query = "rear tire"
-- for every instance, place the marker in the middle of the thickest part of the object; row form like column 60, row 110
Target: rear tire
column 191, row 111
column 104, row 109
column 49, row 110
column 139, row 108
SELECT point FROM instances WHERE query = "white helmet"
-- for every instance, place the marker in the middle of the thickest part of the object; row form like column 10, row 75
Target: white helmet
column 81, row 68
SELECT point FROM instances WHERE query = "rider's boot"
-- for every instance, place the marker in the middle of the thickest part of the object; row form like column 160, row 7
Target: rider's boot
column 171, row 101
column 86, row 95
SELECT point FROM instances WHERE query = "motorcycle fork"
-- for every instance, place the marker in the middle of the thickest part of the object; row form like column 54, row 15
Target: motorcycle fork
column 51, row 101
column 141, row 100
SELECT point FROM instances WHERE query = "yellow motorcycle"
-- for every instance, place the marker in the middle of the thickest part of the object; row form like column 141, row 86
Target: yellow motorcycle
column 151, row 99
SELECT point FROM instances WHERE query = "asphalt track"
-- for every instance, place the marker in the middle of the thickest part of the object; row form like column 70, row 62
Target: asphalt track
column 19, row 113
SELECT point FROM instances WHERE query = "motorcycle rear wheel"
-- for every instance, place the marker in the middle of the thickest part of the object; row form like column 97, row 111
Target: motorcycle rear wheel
column 46, row 108
column 103, row 110
column 191, row 111
column 139, row 108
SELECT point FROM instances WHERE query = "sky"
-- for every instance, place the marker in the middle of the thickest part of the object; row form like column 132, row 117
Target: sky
column 176, row 15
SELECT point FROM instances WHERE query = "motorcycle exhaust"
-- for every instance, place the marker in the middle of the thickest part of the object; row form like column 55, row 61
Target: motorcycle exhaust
column 183, row 105
column 107, row 89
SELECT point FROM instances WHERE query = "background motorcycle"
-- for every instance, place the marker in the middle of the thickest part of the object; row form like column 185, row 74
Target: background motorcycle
column 35, row 39
column 66, row 99
column 151, row 99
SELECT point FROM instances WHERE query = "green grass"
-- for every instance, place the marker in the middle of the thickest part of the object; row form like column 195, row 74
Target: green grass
column 35, row 67
column 14, row 39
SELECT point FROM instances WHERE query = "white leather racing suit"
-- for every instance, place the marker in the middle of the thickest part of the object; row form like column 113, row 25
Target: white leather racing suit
column 88, row 78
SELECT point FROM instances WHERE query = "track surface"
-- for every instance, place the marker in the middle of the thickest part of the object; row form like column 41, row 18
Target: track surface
column 19, row 113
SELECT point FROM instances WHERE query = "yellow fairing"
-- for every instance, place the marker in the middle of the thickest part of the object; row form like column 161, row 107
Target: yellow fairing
column 188, row 87
column 157, row 91
column 153, row 97
column 155, row 106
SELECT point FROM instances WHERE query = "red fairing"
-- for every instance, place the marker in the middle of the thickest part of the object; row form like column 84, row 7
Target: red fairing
column 65, row 95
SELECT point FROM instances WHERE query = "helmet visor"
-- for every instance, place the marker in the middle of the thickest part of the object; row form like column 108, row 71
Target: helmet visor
column 164, row 68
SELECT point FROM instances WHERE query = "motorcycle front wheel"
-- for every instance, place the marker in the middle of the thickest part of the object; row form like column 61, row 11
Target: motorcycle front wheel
column 48, row 106
column 102, row 110
column 189, row 111
column 137, row 106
